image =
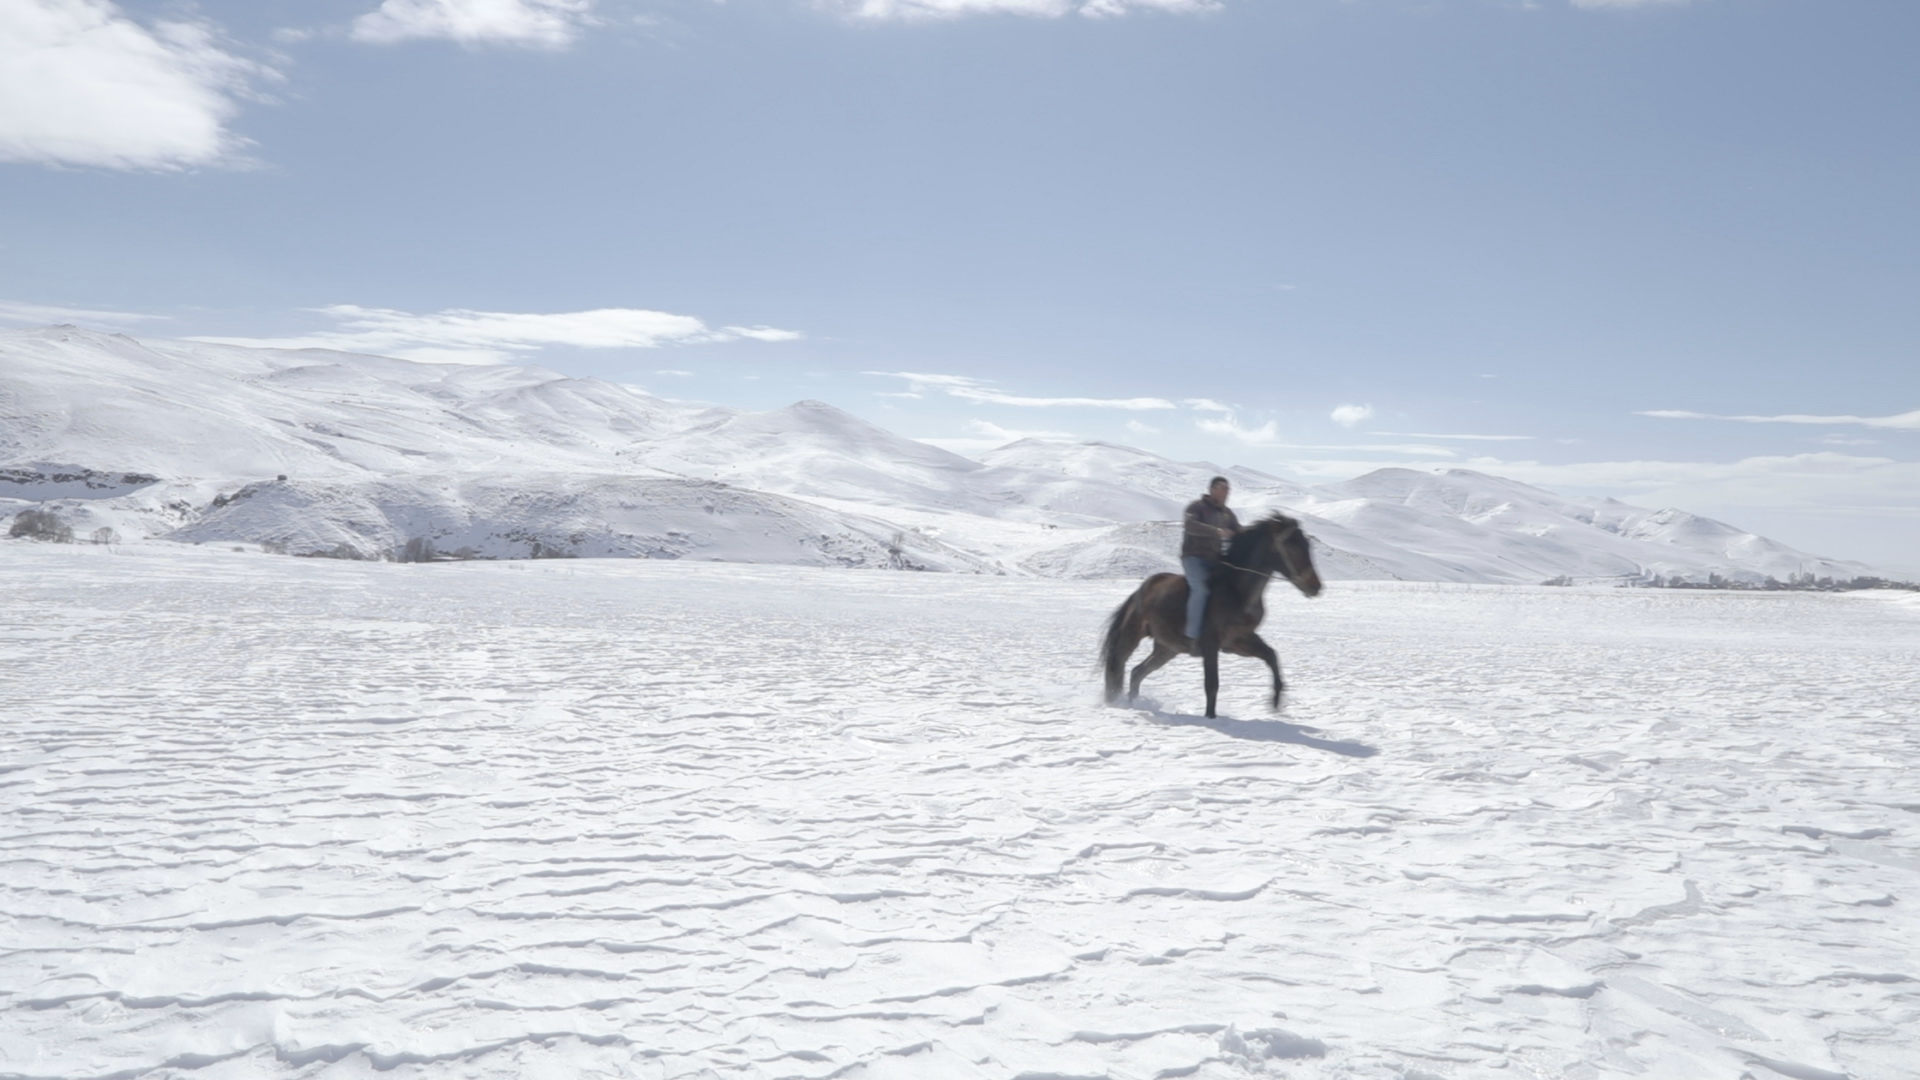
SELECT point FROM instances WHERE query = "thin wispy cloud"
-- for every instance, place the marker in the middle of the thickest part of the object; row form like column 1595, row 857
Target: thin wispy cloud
column 921, row 10
column 82, row 83
column 987, row 435
column 1622, row 4
column 991, row 430
column 975, row 390
column 1349, row 415
column 546, row 24
column 1224, row 421
column 1908, row 420
column 1819, row 465
column 492, row 337
column 15, row 311
column 1107, row 9
column 1465, row 438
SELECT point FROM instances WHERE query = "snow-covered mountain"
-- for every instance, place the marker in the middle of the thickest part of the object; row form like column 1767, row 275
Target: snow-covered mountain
column 319, row 452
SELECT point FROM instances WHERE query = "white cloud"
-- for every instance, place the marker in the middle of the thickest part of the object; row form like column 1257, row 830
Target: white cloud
column 881, row 10
column 1139, row 428
column 675, row 372
column 1349, row 415
column 968, row 389
column 14, row 311
column 491, row 337
column 761, row 333
column 83, row 84
column 1264, row 435
column 551, row 24
column 1909, row 420
column 1267, row 435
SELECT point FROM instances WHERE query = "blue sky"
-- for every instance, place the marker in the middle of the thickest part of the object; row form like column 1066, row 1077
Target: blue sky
column 1663, row 250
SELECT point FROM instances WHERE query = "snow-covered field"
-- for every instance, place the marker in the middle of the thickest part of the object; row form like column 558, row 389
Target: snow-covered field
column 275, row 817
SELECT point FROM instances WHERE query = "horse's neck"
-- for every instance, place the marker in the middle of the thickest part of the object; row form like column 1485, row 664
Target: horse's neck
column 1247, row 583
column 1257, row 589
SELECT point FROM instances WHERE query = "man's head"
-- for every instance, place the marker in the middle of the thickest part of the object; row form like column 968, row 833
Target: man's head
column 1218, row 489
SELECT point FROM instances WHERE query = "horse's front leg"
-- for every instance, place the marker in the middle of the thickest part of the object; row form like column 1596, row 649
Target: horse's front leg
column 1210, row 659
column 1250, row 644
column 1154, row 662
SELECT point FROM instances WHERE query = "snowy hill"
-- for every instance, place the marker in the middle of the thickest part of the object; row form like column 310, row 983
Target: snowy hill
column 812, row 448
column 319, row 452
column 1504, row 529
column 1173, row 482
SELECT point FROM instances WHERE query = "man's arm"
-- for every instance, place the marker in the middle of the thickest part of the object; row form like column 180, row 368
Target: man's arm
column 1197, row 527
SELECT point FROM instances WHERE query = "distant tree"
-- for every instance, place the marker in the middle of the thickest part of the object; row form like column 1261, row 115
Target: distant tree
column 105, row 535
column 37, row 524
column 418, row 549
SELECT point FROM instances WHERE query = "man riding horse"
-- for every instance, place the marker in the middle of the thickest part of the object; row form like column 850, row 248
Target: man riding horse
column 1209, row 525
column 1234, row 578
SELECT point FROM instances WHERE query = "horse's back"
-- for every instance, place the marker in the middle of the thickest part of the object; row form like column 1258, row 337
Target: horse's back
column 1158, row 585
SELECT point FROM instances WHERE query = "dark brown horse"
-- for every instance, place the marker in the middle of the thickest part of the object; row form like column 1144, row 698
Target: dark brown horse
column 1158, row 609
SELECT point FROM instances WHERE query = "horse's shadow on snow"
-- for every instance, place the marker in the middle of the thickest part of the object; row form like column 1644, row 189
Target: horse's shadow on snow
column 1272, row 731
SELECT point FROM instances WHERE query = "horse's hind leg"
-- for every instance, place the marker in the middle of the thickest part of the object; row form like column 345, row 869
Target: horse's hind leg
column 1161, row 654
column 1118, row 651
column 1123, row 636
column 1251, row 645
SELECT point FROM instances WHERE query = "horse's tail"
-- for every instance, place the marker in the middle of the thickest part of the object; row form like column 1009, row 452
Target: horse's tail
column 1123, row 634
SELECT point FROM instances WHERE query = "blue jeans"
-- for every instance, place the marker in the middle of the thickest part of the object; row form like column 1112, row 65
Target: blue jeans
column 1198, row 571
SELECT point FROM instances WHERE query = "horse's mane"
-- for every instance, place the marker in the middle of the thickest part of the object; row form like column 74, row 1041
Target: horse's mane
column 1242, row 544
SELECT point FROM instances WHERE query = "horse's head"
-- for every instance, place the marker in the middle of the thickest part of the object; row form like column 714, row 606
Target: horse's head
column 1276, row 544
